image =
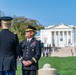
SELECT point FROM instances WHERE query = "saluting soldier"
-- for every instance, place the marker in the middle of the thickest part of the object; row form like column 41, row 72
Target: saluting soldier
column 31, row 52
column 8, row 48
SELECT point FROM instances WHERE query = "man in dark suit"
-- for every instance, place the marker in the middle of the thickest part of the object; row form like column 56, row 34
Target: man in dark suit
column 8, row 48
column 31, row 52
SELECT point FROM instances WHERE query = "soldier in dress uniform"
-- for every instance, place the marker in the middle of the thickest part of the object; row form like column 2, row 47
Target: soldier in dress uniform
column 8, row 48
column 31, row 52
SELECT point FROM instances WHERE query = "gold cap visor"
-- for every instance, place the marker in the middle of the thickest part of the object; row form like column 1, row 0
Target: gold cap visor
column 29, row 29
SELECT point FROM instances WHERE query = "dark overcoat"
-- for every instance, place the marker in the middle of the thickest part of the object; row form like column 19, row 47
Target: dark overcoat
column 8, row 50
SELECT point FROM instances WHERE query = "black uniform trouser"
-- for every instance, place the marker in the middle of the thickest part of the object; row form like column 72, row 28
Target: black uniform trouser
column 28, row 72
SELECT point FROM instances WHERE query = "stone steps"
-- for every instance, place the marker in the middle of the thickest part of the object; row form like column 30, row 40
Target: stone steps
column 64, row 52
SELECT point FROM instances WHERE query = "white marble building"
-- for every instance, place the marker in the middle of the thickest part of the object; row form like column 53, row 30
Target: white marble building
column 59, row 35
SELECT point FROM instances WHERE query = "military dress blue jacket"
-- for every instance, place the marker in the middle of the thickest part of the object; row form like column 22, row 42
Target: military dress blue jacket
column 30, row 51
column 8, row 50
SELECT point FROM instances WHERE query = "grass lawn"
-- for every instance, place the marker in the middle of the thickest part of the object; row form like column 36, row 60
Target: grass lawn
column 64, row 65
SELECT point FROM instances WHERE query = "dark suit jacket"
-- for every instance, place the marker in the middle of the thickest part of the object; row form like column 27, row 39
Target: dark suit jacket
column 8, row 50
column 31, row 51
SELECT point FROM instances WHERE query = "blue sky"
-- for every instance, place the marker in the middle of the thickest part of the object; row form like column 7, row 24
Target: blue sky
column 47, row 12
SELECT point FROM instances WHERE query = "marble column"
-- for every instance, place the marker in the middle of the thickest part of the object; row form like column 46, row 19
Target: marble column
column 63, row 36
column 55, row 38
column 58, row 38
column 67, row 38
column 51, row 38
column 71, row 37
